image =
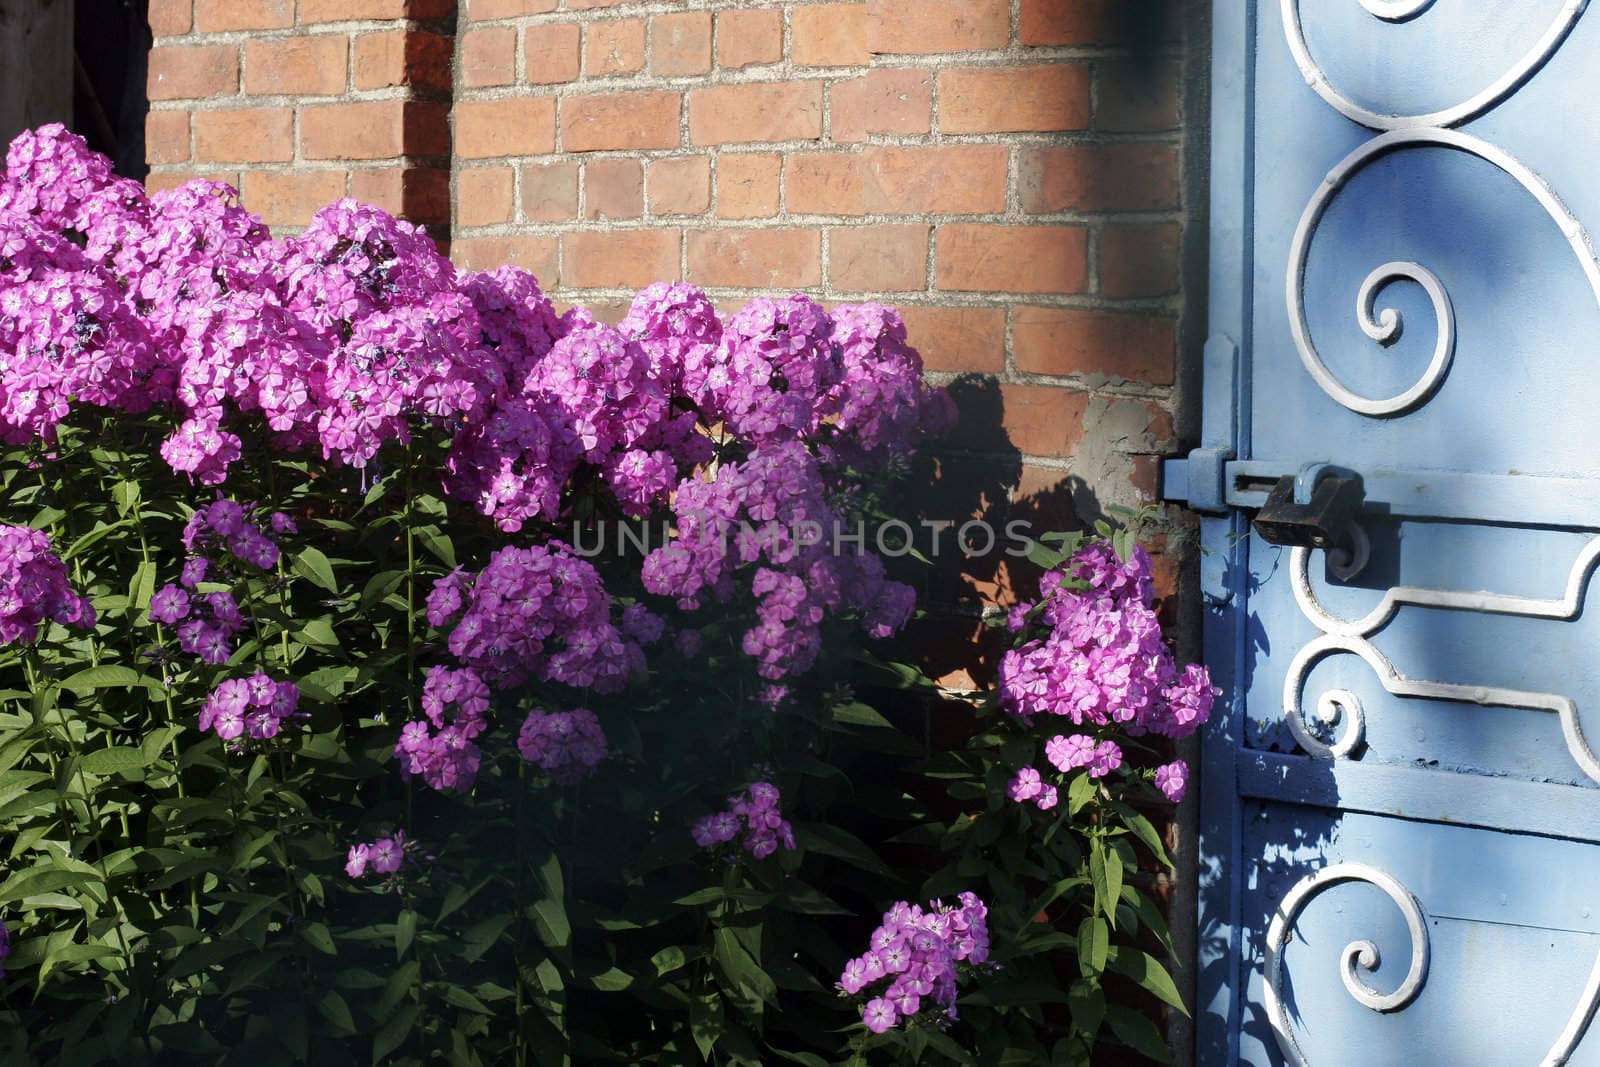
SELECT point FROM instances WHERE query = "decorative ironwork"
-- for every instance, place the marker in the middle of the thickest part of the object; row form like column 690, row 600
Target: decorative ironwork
column 1397, row 10
column 1346, row 635
column 1384, row 327
column 1361, row 954
column 1400, row 11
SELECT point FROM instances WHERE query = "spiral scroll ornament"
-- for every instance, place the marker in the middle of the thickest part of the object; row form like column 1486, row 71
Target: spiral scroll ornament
column 1383, row 326
column 1358, row 956
column 1402, row 11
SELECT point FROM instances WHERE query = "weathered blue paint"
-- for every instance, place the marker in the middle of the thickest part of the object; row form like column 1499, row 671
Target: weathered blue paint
column 1490, row 484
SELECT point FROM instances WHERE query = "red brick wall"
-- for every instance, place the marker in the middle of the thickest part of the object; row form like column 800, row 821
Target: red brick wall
column 1010, row 173
column 298, row 105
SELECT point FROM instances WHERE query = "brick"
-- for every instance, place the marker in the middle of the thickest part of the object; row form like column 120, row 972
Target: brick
column 290, row 198
column 1136, row 95
column 1120, row 177
column 521, row 126
column 160, row 180
column 613, row 47
column 1046, row 22
column 1014, row 259
column 1014, row 99
column 166, row 137
column 484, row 195
column 762, row 111
column 613, row 189
column 489, row 56
column 375, row 129
column 926, row 27
column 1139, row 260
column 481, row 10
column 825, row 183
column 1106, row 344
column 549, row 192
column 314, row 11
column 680, row 43
column 879, row 259
column 749, row 38
column 220, row 16
column 296, row 65
column 244, row 135
column 830, row 35
column 756, row 259
column 625, row 259
column 403, row 57
column 586, row 5
column 179, row 72
column 550, row 54
column 619, row 120
column 958, row 339
column 170, row 18
column 747, row 186
column 882, row 101
column 420, row 194
column 948, row 179
column 680, row 186
column 537, row 255
column 1043, row 420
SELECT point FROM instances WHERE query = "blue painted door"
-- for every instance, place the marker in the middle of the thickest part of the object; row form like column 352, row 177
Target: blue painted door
column 1400, row 855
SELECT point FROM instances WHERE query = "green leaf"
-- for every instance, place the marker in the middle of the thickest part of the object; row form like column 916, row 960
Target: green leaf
column 125, row 495
column 741, row 969
column 393, row 1033
column 333, row 1008
column 317, row 632
column 437, row 543
column 1137, row 1032
column 454, row 994
column 317, row 936
column 1144, row 969
column 1094, row 942
column 405, row 931
column 311, row 564
column 1144, row 831
column 860, row 715
column 832, row 841
column 142, row 587
column 400, row 983
column 1088, row 1006
column 73, row 954
column 92, row 678
column 611, row 980
column 1080, row 792
column 42, row 879
column 113, row 760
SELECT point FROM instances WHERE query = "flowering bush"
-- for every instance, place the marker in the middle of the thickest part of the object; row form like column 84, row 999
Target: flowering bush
column 325, row 737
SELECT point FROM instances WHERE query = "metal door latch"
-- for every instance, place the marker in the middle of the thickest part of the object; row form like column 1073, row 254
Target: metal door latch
column 1316, row 508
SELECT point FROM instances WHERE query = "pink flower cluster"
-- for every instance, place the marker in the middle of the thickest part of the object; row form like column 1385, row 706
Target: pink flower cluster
column 445, row 755
column 34, row 587
column 386, row 856
column 917, row 951
column 753, row 812
column 535, row 613
column 1101, row 664
column 256, row 705
column 770, row 514
column 566, row 745
column 531, row 614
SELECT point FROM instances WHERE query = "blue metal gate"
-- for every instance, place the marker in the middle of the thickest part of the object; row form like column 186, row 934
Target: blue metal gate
column 1400, row 852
